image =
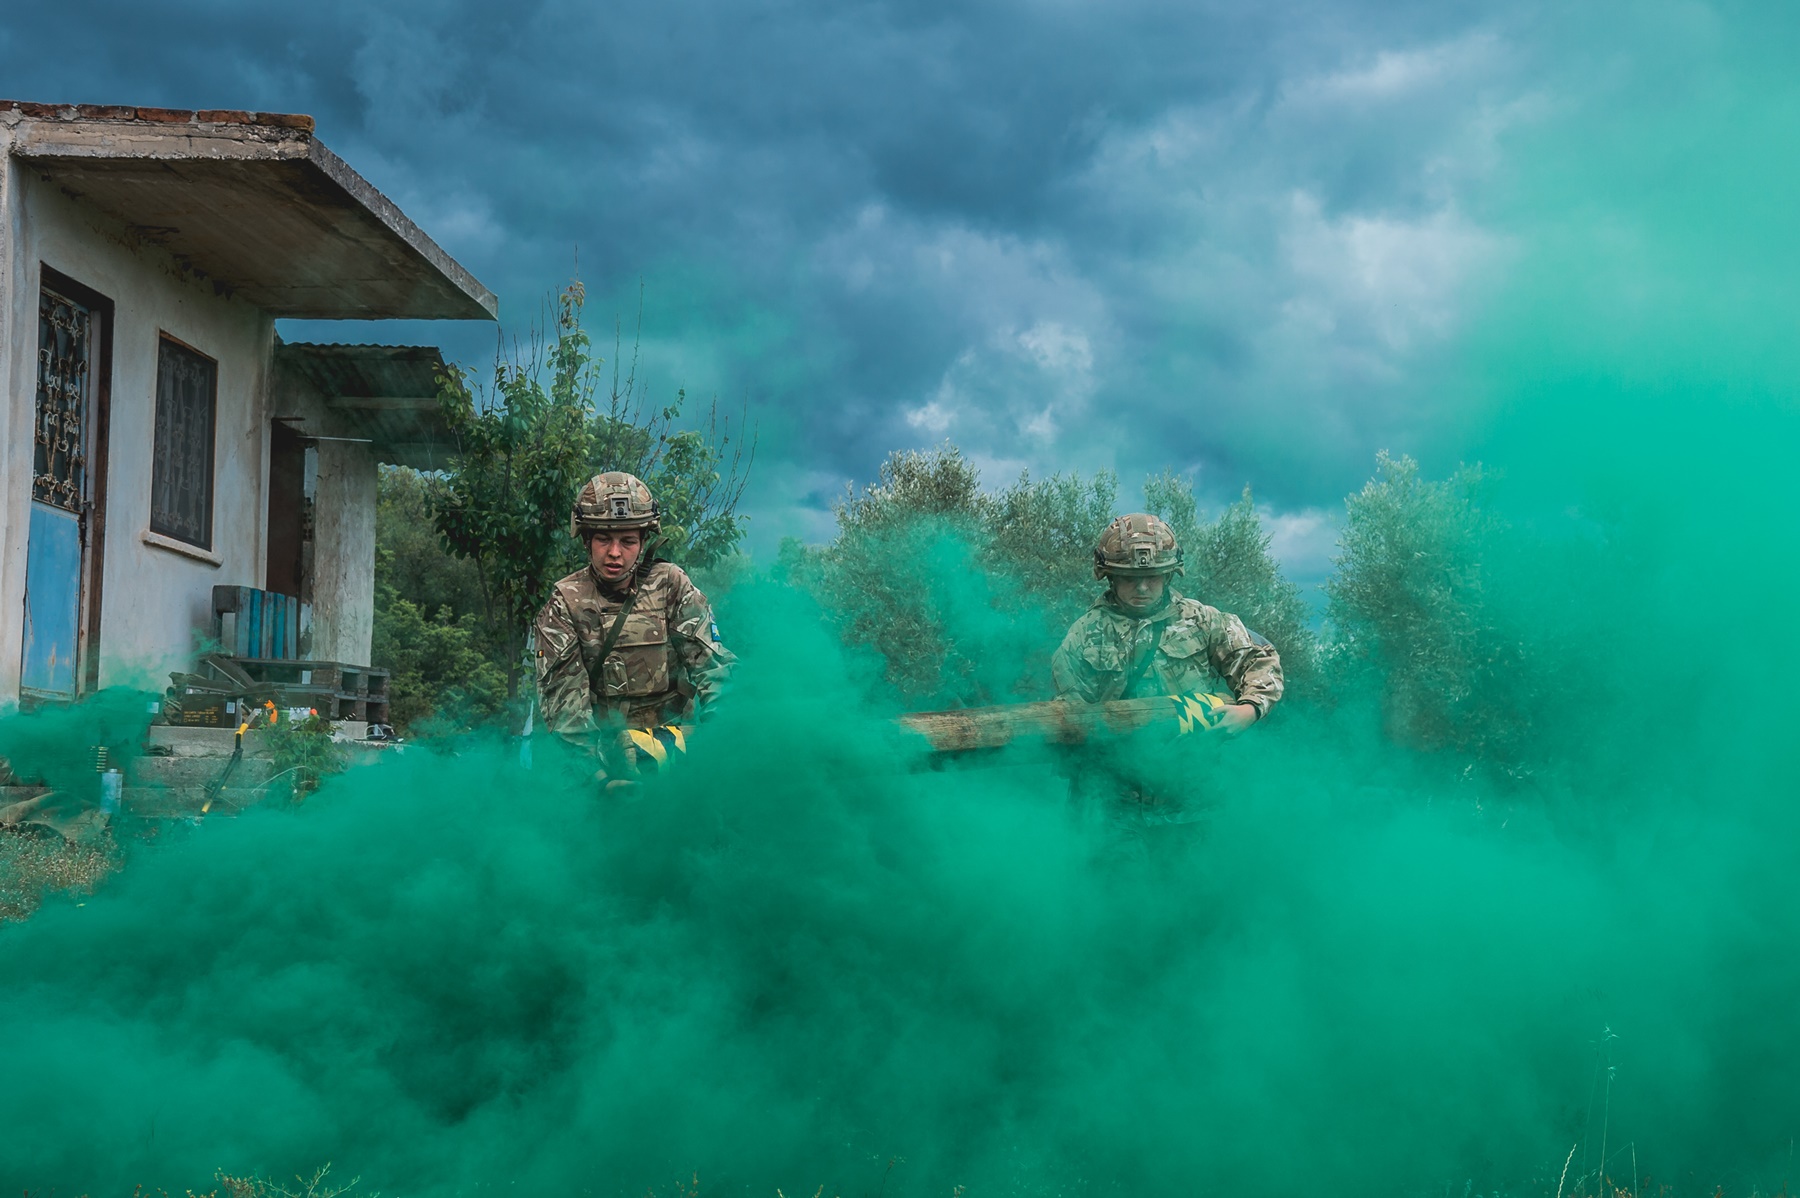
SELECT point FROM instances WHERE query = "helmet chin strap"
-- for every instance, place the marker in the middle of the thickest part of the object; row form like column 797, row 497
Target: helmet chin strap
column 645, row 559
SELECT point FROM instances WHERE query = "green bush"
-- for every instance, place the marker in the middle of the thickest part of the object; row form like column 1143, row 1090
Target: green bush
column 410, row 558
column 431, row 628
column 444, row 672
column 1042, row 533
column 304, row 752
column 904, row 551
column 1414, row 614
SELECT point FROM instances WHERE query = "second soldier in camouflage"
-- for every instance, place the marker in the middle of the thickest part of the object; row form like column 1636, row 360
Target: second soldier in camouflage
column 627, row 641
column 1144, row 638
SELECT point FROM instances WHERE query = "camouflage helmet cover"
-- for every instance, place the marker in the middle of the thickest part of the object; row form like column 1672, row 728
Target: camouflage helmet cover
column 614, row 502
column 1137, row 545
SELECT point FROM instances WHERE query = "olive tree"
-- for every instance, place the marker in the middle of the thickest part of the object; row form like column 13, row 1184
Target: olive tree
column 965, row 593
column 1413, row 607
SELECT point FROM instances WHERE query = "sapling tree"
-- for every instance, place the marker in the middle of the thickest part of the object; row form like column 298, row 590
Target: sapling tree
column 527, row 444
column 522, row 452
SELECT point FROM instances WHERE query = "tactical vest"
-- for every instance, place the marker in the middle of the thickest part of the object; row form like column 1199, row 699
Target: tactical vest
column 1178, row 664
column 638, row 670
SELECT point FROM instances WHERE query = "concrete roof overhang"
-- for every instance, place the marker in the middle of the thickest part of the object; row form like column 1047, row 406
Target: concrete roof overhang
column 383, row 394
column 254, row 202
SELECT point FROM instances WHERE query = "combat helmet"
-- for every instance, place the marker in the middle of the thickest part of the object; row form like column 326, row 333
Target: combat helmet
column 1136, row 545
column 615, row 502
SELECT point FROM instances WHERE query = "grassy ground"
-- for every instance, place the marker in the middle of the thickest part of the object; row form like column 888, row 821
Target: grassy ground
column 319, row 1185
column 36, row 865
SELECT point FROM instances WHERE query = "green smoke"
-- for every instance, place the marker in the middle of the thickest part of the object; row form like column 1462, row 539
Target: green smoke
column 801, row 955
column 794, row 959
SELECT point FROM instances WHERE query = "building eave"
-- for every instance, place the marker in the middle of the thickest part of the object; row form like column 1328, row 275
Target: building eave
column 255, row 203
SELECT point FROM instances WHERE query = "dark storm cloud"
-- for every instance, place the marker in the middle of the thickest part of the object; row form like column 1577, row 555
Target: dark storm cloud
column 1217, row 236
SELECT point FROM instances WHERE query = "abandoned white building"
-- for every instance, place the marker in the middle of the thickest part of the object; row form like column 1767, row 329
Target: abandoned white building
column 158, row 438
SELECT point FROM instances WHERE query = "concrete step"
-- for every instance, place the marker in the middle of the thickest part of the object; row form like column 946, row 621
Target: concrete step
column 196, row 771
column 186, row 802
column 175, row 787
column 171, row 780
column 205, row 742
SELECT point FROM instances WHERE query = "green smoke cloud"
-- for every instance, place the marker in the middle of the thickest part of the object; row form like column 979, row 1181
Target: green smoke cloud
column 795, row 958
column 799, row 956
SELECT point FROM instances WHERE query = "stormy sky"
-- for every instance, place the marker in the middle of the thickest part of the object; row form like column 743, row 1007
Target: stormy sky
column 1246, row 241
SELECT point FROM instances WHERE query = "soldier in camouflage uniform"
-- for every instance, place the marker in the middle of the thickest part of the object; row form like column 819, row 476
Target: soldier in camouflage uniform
column 628, row 641
column 1143, row 638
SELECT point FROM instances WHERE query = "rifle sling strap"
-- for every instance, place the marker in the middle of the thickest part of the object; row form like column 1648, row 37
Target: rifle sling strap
column 612, row 638
column 1143, row 667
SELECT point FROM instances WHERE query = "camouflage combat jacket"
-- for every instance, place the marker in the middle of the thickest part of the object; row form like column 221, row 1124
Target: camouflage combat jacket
column 1192, row 647
column 666, row 662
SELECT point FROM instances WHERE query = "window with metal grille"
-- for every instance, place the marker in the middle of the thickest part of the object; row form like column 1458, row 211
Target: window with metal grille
column 181, row 474
column 65, row 338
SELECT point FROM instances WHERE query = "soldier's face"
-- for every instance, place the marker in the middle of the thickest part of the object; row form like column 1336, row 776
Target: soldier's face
column 615, row 553
column 1140, row 594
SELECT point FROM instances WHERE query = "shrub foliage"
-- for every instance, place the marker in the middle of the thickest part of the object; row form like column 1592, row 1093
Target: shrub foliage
column 964, row 593
column 1413, row 604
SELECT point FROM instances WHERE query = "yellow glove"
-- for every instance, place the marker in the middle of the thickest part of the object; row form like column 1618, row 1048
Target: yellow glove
column 1199, row 711
column 650, row 748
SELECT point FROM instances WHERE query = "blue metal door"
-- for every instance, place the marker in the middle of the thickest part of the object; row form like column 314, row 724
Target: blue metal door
column 60, row 495
column 52, row 604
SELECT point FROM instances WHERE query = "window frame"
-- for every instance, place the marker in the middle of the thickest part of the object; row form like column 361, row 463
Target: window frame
column 99, row 460
column 157, row 457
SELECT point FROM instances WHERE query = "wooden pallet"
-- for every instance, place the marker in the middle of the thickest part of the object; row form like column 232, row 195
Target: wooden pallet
column 326, row 675
column 335, row 689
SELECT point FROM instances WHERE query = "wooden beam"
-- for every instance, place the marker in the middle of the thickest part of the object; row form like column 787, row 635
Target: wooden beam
column 1061, row 722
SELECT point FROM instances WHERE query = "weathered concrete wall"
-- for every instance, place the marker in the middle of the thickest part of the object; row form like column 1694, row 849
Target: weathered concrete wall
column 15, row 440
column 343, row 577
column 343, row 620
column 154, row 595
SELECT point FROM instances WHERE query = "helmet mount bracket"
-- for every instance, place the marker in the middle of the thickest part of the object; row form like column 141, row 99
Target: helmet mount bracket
column 615, row 502
column 1135, row 545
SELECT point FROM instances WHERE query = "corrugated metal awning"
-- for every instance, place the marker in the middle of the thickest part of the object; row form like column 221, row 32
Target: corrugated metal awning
column 385, row 393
